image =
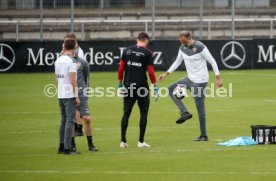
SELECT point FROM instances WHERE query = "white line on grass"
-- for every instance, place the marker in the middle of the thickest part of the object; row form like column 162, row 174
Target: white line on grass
column 270, row 100
column 232, row 73
column 49, row 112
column 26, row 132
column 125, row 151
column 221, row 149
column 28, row 112
column 225, row 110
column 273, row 75
column 132, row 172
column 184, row 150
column 116, row 129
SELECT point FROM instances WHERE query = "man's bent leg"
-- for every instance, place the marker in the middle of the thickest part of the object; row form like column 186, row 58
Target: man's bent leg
column 178, row 102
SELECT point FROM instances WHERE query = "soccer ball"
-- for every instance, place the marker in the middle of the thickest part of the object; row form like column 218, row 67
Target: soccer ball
column 179, row 92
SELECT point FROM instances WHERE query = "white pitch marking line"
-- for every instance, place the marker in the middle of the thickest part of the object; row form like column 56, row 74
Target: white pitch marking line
column 221, row 110
column 270, row 100
column 48, row 112
column 266, row 75
column 105, row 129
column 151, row 151
column 231, row 73
column 131, row 172
column 24, row 132
column 221, row 149
column 28, row 112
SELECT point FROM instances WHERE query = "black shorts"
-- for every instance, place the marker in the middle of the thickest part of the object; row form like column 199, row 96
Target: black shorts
column 142, row 96
column 83, row 107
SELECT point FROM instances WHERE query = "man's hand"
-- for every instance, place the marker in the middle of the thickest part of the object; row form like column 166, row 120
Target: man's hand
column 163, row 76
column 218, row 81
column 77, row 101
column 120, row 91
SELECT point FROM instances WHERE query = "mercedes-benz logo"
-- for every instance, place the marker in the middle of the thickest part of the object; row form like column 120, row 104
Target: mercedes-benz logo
column 233, row 55
column 7, row 57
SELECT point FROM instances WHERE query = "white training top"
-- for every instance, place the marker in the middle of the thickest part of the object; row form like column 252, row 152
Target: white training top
column 63, row 66
column 195, row 57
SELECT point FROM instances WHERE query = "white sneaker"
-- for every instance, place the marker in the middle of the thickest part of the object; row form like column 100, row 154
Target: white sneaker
column 143, row 145
column 123, row 145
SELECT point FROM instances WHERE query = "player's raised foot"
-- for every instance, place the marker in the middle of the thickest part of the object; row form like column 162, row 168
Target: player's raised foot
column 185, row 116
column 123, row 145
column 70, row 152
column 143, row 145
column 201, row 138
column 92, row 148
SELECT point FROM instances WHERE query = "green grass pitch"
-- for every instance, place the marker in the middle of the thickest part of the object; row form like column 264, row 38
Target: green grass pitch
column 29, row 124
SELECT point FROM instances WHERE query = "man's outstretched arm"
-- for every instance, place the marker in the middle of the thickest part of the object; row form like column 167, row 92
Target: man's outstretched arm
column 173, row 67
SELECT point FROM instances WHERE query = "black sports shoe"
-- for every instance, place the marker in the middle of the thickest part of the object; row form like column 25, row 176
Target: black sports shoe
column 201, row 138
column 78, row 132
column 74, row 148
column 70, row 152
column 60, row 150
column 93, row 148
column 185, row 116
column 73, row 145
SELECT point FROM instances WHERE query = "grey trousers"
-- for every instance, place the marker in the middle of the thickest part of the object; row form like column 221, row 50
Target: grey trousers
column 197, row 91
column 68, row 116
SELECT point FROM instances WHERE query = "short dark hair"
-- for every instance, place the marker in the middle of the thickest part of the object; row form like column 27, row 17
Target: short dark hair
column 143, row 36
column 187, row 34
column 69, row 44
column 71, row 36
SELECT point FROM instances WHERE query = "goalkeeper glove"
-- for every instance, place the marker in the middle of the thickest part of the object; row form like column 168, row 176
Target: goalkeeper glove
column 156, row 93
column 120, row 85
column 120, row 91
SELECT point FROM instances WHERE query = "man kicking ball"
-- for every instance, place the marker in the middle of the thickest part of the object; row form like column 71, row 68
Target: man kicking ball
column 195, row 55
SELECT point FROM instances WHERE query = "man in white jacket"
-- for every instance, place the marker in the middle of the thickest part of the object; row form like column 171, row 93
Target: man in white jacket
column 195, row 55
